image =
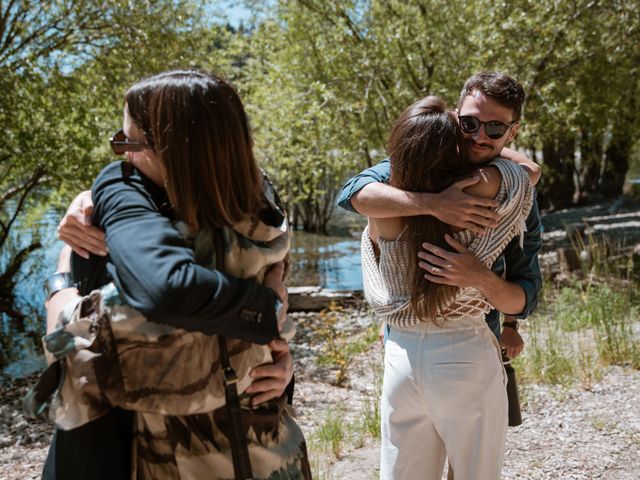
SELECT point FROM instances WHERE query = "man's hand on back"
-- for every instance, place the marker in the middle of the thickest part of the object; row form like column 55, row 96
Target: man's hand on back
column 271, row 379
column 462, row 210
column 460, row 268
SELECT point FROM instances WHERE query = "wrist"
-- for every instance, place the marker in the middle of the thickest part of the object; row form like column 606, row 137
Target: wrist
column 484, row 280
column 278, row 303
column 511, row 323
column 427, row 203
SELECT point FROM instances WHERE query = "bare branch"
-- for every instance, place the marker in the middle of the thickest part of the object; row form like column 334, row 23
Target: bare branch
column 35, row 34
column 16, row 262
column 28, row 187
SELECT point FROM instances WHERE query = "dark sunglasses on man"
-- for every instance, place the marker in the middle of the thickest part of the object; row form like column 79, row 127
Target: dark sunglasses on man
column 121, row 144
column 492, row 129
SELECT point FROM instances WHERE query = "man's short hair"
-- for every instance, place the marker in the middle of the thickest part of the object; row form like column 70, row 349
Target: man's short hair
column 504, row 89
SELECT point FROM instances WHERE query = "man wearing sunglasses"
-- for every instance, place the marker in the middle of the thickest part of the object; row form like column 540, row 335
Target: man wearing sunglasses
column 488, row 111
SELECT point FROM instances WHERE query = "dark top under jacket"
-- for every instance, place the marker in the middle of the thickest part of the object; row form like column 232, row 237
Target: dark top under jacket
column 156, row 273
column 521, row 263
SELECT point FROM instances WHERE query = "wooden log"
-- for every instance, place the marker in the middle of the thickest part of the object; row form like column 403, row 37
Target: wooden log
column 318, row 298
column 568, row 259
column 575, row 230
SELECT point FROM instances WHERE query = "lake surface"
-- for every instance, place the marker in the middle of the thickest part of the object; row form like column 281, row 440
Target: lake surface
column 331, row 261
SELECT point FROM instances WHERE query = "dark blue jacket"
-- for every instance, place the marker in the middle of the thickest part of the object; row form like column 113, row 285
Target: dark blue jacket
column 157, row 273
column 521, row 263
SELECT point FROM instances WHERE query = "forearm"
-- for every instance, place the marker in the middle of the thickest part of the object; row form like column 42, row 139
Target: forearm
column 377, row 174
column 64, row 298
column 156, row 272
column 379, row 200
column 56, row 305
column 507, row 297
column 368, row 194
column 186, row 295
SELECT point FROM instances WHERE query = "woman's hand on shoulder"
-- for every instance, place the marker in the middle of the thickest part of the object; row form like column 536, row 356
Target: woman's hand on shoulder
column 76, row 230
column 532, row 168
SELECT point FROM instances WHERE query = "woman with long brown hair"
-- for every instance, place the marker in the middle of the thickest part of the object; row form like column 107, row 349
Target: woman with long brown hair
column 185, row 133
column 443, row 389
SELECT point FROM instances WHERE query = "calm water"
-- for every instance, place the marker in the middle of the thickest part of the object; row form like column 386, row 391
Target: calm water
column 330, row 261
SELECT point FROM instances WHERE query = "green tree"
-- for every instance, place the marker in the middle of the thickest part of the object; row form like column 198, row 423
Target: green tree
column 64, row 68
column 327, row 79
column 578, row 61
column 33, row 38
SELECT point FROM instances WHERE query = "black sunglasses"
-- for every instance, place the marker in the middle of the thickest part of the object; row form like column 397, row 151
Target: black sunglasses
column 121, row 144
column 493, row 129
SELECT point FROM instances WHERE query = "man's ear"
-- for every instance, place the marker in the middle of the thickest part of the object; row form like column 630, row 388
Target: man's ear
column 514, row 131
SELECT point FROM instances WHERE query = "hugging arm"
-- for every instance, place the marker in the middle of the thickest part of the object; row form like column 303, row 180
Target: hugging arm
column 522, row 265
column 368, row 194
column 532, row 168
column 156, row 272
column 461, row 268
column 517, row 293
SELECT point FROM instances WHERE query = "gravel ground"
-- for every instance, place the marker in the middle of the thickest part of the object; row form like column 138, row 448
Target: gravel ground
column 23, row 445
column 573, row 434
column 568, row 434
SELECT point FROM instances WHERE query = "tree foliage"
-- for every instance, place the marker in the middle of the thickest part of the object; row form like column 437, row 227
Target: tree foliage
column 327, row 79
column 64, row 68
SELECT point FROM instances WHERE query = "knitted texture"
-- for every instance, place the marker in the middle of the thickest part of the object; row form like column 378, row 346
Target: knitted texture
column 386, row 280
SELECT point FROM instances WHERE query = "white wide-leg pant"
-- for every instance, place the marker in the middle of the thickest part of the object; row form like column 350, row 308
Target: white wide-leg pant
column 443, row 395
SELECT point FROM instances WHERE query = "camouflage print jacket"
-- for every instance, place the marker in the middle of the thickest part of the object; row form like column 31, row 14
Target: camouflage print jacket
column 111, row 355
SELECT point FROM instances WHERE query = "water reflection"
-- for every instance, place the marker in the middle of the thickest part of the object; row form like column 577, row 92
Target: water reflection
column 331, row 262
column 21, row 339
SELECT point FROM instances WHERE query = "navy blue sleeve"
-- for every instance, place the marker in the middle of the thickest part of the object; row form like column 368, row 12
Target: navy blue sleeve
column 522, row 265
column 156, row 272
column 379, row 173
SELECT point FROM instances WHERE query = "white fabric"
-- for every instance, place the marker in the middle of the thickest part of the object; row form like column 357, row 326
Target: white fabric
column 444, row 387
column 443, row 395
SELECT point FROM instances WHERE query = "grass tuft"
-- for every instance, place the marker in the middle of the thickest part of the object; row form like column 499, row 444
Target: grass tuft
column 586, row 324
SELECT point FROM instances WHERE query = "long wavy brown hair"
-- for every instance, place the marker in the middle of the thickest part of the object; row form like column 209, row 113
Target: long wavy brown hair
column 426, row 153
column 198, row 128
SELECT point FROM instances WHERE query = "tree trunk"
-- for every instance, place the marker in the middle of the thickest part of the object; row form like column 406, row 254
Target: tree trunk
column 557, row 183
column 616, row 165
column 591, row 156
